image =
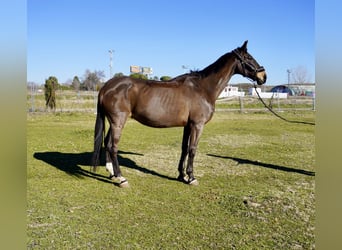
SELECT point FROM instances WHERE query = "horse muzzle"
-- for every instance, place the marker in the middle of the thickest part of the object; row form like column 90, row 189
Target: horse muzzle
column 261, row 77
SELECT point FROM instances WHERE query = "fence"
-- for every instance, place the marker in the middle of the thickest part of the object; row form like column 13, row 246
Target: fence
column 85, row 101
column 252, row 103
column 66, row 101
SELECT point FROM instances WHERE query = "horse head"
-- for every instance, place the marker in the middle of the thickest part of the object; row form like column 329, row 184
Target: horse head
column 248, row 66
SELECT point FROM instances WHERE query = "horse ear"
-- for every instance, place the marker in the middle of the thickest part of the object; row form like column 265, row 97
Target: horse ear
column 244, row 46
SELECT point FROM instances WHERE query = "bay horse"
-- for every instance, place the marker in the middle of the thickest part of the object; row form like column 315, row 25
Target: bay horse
column 187, row 101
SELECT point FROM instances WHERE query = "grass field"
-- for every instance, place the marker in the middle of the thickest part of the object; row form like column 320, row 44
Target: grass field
column 256, row 186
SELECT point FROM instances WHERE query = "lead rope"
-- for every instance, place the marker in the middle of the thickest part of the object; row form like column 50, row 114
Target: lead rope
column 276, row 114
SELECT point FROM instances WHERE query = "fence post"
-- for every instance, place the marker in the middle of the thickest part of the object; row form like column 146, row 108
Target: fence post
column 314, row 101
column 278, row 102
column 241, row 103
column 33, row 92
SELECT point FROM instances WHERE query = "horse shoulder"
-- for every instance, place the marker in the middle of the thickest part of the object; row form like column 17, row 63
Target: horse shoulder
column 191, row 82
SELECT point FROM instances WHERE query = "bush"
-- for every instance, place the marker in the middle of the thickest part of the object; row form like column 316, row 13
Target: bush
column 51, row 86
column 138, row 76
column 165, row 78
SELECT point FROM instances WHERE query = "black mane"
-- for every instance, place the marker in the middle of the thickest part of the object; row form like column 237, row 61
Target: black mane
column 216, row 66
column 212, row 68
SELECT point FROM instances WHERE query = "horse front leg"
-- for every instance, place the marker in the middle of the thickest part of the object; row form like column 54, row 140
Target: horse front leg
column 185, row 151
column 195, row 134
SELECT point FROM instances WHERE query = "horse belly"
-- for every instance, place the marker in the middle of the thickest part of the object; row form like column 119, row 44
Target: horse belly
column 161, row 112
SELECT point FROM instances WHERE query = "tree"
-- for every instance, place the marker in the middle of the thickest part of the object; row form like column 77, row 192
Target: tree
column 93, row 80
column 76, row 83
column 118, row 75
column 139, row 76
column 50, row 87
column 165, row 78
column 300, row 75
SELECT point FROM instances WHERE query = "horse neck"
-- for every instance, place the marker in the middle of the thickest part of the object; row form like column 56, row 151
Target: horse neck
column 218, row 74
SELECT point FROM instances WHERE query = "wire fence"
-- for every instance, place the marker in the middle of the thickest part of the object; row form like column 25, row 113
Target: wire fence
column 66, row 101
column 253, row 104
column 86, row 101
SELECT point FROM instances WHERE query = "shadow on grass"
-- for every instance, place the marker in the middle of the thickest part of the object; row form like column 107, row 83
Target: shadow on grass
column 265, row 165
column 70, row 164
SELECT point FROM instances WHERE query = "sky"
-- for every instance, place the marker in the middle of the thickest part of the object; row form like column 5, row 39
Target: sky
column 67, row 37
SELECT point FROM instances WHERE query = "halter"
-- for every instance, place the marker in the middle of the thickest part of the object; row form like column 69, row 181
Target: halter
column 246, row 64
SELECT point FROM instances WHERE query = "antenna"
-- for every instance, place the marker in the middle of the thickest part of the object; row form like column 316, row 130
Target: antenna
column 288, row 77
column 110, row 63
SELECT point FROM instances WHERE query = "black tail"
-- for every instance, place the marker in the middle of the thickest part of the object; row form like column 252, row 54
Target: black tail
column 98, row 135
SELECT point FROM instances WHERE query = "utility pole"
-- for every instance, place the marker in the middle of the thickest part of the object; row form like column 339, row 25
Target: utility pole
column 110, row 63
column 288, row 78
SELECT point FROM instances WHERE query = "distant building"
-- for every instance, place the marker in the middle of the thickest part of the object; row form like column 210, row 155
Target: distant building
column 280, row 91
column 283, row 89
column 266, row 95
column 230, row 91
column 295, row 89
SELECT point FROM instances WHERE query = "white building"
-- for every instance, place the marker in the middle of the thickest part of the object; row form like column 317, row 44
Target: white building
column 231, row 91
column 266, row 95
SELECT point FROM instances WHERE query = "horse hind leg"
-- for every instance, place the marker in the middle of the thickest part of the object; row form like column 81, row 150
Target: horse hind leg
column 109, row 164
column 112, row 147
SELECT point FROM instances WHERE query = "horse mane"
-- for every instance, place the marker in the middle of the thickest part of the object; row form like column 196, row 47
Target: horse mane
column 214, row 67
column 196, row 74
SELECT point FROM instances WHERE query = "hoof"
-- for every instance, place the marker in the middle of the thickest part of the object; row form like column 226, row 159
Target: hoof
column 193, row 182
column 181, row 179
column 120, row 181
column 124, row 184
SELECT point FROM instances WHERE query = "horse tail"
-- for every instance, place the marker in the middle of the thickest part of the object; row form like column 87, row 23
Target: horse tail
column 98, row 134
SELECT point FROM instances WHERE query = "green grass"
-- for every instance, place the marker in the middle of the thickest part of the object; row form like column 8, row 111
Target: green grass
column 256, row 190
